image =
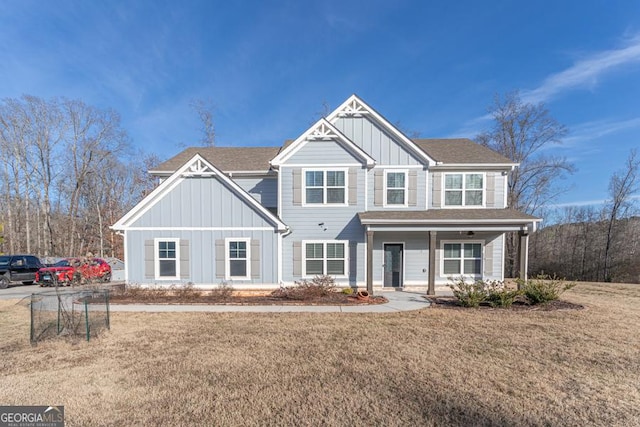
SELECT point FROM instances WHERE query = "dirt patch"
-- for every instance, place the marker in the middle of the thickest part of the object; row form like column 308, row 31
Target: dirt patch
column 452, row 303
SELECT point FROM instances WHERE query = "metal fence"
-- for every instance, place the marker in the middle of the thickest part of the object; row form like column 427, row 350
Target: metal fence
column 71, row 313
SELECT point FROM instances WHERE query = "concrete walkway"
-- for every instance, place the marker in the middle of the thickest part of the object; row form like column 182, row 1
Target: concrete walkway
column 398, row 301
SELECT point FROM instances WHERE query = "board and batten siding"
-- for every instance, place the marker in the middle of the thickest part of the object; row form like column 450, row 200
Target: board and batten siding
column 264, row 190
column 322, row 153
column 200, row 257
column 201, row 202
column 376, row 141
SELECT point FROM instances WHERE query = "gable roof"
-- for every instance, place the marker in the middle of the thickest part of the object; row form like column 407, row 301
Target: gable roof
column 461, row 151
column 226, row 159
column 322, row 130
column 354, row 106
column 196, row 166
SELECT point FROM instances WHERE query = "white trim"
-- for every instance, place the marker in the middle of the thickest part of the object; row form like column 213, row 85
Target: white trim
column 502, row 256
column 170, row 183
column 354, row 106
column 324, row 255
column 324, row 187
column 126, row 258
column 156, row 258
column 438, row 228
column 522, row 222
column 322, row 130
column 505, row 180
column 403, row 264
column 322, row 165
column 247, row 258
column 279, row 203
column 406, row 188
column 396, row 166
column 462, row 242
column 473, row 166
column 427, row 195
column 463, row 190
column 199, row 228
column 279, row 255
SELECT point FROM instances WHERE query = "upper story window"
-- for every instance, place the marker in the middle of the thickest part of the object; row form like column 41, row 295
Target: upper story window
column 463, row 189
column 325, row 187
column 396, row 188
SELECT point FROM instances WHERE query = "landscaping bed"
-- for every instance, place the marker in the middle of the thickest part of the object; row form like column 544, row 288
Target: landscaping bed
column 452, row 303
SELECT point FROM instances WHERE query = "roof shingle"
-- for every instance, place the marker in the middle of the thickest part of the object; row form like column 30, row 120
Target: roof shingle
column 459, row 151
column 227, row 159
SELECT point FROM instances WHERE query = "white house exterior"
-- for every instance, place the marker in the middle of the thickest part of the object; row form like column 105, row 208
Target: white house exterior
column 352, row 197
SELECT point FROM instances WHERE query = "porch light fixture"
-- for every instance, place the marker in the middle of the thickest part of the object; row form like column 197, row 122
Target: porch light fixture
column 470, row 234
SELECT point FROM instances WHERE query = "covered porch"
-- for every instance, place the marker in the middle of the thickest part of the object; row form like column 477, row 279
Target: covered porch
column 427, row 248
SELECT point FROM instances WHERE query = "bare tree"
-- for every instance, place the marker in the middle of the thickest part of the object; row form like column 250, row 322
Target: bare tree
column 204, row 110
column 622, row 186
column 522, row 132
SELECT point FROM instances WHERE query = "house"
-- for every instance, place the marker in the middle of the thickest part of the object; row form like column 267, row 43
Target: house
column 352, row 197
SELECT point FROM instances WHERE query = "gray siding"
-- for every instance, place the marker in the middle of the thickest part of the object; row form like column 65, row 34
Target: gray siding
column 319, row 152
column 264, row 190
column 416, row 256
column 376, row 141
column 492, row 267
column 420, row 191
column 200, row 263
column 201, row 202
column 494, row 189
column 339, row 223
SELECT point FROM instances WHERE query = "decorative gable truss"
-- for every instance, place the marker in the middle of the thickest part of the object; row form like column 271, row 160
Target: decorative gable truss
column 196, row 167
column 322, row 130
column 355, row 107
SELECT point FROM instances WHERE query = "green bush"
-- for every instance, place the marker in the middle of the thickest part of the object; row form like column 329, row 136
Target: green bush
column 347, row 291
column 469, row 294
column 499, row 295
column 544, row 288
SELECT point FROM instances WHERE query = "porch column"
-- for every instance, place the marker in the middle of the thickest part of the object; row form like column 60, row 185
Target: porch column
column 370, row 262
column 524, row 254
column 432, row 263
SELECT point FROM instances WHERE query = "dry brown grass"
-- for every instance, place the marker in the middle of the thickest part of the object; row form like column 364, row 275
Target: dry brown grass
column 431, row 367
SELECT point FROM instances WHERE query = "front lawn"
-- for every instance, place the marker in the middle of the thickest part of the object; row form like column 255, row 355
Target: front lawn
column 430, row 367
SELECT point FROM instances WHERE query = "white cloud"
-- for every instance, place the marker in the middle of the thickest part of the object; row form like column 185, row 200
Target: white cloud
column 593, row 130
column 585, row 72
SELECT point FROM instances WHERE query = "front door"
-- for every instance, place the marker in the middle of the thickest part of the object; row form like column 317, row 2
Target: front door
column 393, row 265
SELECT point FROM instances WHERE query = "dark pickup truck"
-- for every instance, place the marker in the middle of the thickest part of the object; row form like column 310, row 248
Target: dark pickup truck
column 18, row 268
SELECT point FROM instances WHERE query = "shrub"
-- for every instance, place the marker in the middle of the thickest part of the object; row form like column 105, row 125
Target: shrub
column 318, row 287
column 499, row 294
column 544, row 288
column 347, row 291
column 469, row 294
column 223, row 292
column 185, row 291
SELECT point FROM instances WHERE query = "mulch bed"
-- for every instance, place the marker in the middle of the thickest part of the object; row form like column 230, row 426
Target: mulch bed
column 518, row 305
column 335, row 299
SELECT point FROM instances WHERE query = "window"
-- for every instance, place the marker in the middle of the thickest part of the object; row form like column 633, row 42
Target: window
column 325, row 187
column 324, row 258
column 396, row 188
column 167, row 258
column 238, row 257
column 462, row 258
column 463, row 189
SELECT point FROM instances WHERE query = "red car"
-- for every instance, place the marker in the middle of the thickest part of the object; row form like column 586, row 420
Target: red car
column 72, row 271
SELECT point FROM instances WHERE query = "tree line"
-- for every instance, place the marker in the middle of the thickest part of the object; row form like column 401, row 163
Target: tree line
column 68, row 172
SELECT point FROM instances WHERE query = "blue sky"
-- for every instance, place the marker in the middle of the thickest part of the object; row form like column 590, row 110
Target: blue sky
column 268, row 67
